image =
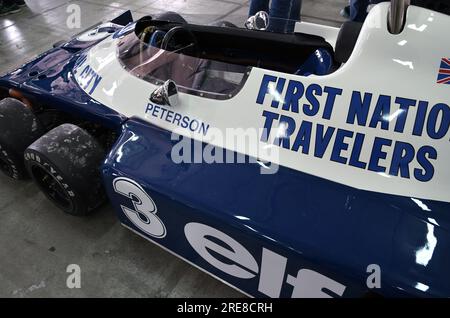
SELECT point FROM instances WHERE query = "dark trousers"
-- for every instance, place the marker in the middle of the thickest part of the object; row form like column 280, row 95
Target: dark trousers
column 358, row 9
column 283, row 13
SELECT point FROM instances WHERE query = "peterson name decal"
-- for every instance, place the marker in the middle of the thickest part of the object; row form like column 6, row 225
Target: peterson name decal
column 303, row 112
column 172, row 117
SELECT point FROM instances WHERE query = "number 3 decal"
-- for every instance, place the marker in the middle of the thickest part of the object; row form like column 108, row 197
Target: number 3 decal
column 144, row 213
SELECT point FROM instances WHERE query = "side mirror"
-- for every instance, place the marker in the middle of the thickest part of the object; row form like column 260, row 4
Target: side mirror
column 166, row 94
column 260, row 21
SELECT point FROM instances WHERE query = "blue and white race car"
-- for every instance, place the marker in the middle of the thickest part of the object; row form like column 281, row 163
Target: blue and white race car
column 310, row 163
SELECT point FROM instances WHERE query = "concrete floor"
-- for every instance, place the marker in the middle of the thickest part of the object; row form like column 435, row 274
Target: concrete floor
column 38, row 242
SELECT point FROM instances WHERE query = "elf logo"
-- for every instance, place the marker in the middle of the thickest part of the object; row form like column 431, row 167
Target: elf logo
column 271, row 271
column 240, row 262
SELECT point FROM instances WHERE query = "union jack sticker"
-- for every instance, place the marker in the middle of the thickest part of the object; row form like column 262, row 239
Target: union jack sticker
column 444, row 72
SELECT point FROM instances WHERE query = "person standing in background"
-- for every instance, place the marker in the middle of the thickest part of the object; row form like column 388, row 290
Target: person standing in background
column 283, row 13
column 10, row 6
column 357, row 9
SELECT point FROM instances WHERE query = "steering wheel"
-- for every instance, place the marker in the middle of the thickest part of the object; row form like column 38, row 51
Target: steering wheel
column 181, row 40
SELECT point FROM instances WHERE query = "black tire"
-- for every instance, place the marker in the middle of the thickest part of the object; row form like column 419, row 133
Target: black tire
column 171, row 17
column 19, row 128
column 65, row 164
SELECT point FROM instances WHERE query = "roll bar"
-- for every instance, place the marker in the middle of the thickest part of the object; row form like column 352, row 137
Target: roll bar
column 397, row 15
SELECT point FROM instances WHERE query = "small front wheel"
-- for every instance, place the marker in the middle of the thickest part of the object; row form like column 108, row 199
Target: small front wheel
column 19, row 127
column 65, row 164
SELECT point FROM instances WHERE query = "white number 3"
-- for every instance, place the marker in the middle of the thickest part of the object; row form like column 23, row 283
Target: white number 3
column 144, row 213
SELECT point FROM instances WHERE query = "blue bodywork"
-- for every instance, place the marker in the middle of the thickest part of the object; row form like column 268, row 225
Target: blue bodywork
column 49, row 80
column 315, row 224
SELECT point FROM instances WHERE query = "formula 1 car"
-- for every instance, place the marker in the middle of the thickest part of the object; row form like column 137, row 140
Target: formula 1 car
column 310, row 163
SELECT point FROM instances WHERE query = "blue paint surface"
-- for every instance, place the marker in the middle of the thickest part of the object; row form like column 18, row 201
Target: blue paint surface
column 317, row 224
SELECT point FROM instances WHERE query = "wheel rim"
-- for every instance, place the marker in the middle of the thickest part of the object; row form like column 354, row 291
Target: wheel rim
column 6, row 167
column 52, row 187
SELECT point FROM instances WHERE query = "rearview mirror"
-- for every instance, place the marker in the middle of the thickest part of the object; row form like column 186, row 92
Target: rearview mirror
column 166, row 94
column 260, row 21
